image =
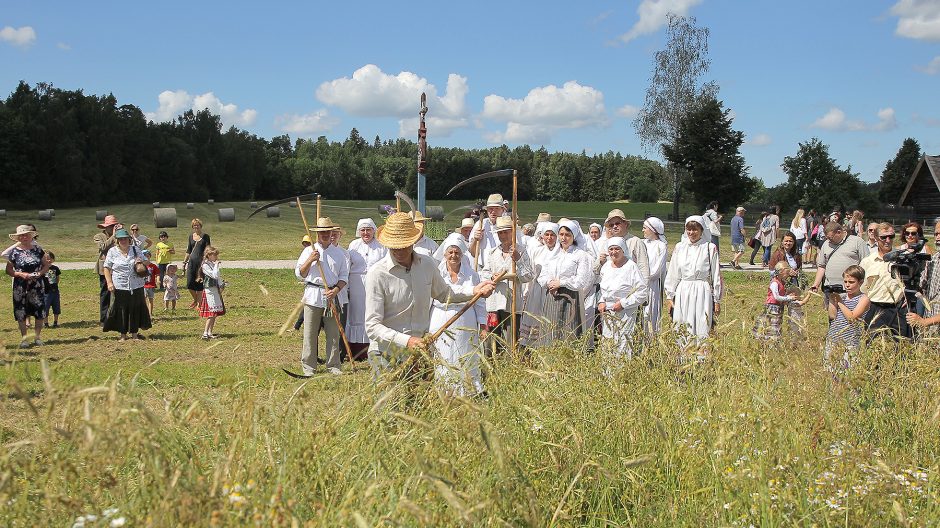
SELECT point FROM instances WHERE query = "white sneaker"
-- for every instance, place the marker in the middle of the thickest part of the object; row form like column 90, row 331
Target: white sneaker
column 38, row 342
column 334, row 371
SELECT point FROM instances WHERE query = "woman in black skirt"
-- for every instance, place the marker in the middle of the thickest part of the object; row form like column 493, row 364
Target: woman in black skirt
column 128, row 313
column 197, row 245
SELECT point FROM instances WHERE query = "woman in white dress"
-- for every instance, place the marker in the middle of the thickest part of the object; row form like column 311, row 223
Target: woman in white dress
column 363, row 253
column 458, row 349
column 539, row 256
column 622, row 292
column 654, row 236
column 565, row 278
column 693, row 286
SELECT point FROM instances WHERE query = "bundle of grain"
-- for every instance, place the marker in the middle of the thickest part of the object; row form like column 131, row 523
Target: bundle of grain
column 211, row 201
column 190, row 205
column 253, row 205
column 156, row 205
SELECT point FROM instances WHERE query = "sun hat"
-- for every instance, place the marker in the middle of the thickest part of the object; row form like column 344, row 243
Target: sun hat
column 306, row 239
column 109, row 221
column 495, row 200
column 323, row 224
column 122, row 233
column 503, row 223
column 739, row 209
column 543, row 217
column 399, row 231
column 616, row 213
column 22, row 230
column 418, row 217
column 466, row 222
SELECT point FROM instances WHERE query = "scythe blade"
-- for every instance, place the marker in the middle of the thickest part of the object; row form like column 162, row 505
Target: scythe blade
column 404, row 197
column 478, row 177
column 302, row 197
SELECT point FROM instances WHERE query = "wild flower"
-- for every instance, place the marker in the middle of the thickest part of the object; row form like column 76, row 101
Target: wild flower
column 117, row 522
column 536, row 427
column 833, row 503
column 110, row 512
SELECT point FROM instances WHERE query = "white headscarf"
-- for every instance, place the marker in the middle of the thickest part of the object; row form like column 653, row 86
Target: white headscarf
column 700, row 221
column 365, row 222
column 453, row 239
column 579, row 238
column 621, row 243
column 657, row 226
column 595, row 224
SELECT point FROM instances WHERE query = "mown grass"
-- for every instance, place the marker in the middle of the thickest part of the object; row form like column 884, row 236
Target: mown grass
column 69, row 234
column 178, row 432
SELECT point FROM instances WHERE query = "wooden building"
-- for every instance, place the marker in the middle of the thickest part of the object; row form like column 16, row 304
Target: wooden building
column 923, row 190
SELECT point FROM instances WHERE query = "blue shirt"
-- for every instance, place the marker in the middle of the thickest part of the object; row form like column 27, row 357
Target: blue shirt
column 737, row 224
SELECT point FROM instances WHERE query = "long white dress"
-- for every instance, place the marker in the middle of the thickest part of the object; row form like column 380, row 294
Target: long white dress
column 623, row 285
column 656, row 251
column 539, row 256
column 693, row 282
column 458, row 349
column 361, row 257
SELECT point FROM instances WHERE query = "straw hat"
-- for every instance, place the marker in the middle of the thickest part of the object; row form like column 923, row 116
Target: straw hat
column 22, row 230
column 418, row 217
column 543, row 217
column 306, row 239
column 399, row 231
column 616, row 213
column 495, row 200
column 503, row 223
column 323, row 224
column 109, row 221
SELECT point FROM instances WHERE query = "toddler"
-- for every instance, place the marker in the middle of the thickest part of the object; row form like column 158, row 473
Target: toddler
column 53, row 305
column 171, row 291
column 150, row 285
column 768, row 324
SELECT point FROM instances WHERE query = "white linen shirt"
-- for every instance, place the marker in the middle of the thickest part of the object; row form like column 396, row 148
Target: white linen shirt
column 398, row 300
column 335, row 269
column 497, row 262
column 122, row 268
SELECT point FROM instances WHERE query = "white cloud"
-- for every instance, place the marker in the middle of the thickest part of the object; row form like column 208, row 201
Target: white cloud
column 373, row 93
column 835, row 120
column 760, row 140
column 544, row 110
column 628, row 111
column 918, row 19
column 63, row 46
column 22, row 37
column 174, row 103
column 932, row 68
column 306, row 124
column 653, row 16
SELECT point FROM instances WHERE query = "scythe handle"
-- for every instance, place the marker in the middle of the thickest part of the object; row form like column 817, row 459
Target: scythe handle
column 440, row 331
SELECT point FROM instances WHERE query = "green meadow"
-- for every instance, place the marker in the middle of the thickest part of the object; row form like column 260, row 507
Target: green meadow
column 177, row 431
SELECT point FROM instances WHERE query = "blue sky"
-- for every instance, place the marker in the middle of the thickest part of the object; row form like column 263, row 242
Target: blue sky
column 566, row 75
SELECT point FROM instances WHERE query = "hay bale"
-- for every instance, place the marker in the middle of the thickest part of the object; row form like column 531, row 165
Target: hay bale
column 45, row 215
column 156, row 205
column 52, row 212
column 292, row 204
column 273, row 212
column 227, row 214
column 3, row 213
column 435, row 213
column 164, row 217
column 100, row 214
column 253, row 205
column 211, row 201
column 190, row 205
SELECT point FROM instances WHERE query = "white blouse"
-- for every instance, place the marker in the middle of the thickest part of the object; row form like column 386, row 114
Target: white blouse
column 572, row 268
column 362, row 256
column 623, row 285
column 122, row 268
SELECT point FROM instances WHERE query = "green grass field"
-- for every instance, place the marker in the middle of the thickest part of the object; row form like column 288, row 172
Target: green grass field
column 175, row 431
column 268, row 238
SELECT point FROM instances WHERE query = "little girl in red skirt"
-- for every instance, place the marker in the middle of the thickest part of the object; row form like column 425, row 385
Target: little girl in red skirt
column 212, row 304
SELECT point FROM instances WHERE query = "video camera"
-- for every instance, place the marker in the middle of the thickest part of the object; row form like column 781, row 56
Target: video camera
column 833, row 288
column 907, row 265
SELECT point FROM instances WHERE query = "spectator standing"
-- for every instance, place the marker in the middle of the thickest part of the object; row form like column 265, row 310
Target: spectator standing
column 872, row 239
column 27, row 264
column 738, row 235
column 141, row 241
column 885, row 290
column 105, row 241
column 164, row 255
column 930, row 290
column 840, row 251
column 768, row 232
column 755, row 240
column 53, row 303
column 713, row 221
column 845, row 310
column 128, row 312
column 198, row 241
column 798, row 228
column 793, row 279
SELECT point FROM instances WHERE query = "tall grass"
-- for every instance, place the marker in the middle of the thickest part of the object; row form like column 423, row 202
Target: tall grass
column 757, row 435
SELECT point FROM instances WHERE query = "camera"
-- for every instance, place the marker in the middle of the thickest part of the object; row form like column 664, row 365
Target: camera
column 833, row 288
column 907, row 265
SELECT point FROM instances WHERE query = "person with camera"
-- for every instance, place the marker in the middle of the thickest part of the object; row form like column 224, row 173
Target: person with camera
column 929, row 287
column 837, row 253
column 885, row 288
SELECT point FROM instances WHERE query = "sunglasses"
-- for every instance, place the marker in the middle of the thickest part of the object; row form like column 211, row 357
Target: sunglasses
column 887, row 237
column 614, row 224
column 871, row 230
column 910, row 233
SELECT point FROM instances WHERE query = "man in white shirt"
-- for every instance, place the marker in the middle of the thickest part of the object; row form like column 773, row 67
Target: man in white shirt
column 399, row 289
column 482, row 237
column 324, row 270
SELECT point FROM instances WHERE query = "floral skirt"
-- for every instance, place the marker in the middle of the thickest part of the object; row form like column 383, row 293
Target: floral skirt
column 768, row 324
column 29, row 299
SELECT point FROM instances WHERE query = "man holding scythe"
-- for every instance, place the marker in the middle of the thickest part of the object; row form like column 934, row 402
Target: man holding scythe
column 399, row 289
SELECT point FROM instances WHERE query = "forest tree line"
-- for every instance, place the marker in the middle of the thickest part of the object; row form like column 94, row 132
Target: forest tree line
column 63, row 148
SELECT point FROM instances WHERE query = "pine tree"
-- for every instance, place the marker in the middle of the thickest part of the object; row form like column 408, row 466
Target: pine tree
column 898, row 171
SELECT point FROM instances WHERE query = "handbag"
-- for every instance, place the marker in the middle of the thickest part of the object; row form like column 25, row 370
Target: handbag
column 139, row 267
column 752, row 243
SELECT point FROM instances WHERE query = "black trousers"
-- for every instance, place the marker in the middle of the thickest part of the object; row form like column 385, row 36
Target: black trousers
column 105, row 298
column 888, row 318
column 503, row 329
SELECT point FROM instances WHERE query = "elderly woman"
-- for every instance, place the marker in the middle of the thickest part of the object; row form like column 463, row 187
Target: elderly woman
column 458, row 349
column 565, row 279
column 623, row 290
column 198, row 241
column 128, row 313
column 364, row 252
column 654, row 236
column 27, row 264
column 693, row 285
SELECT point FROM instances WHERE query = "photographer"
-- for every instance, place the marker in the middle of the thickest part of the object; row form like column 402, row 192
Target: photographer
column 930, row 289
column 838, row 252
column 885, row 287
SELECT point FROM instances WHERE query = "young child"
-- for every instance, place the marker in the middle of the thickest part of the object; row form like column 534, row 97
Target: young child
column 212, row 305
column 150, row 285
column 164, row 252
column 52, row 291
column 846, row 313
column 171, row 291
column 768, row 324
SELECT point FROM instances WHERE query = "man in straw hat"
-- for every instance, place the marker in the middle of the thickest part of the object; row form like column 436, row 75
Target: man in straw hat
column 483, row 237
column 325, row 272
column 399, row 289
column 105, row 241
column 499, row 259
column 466, row 227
